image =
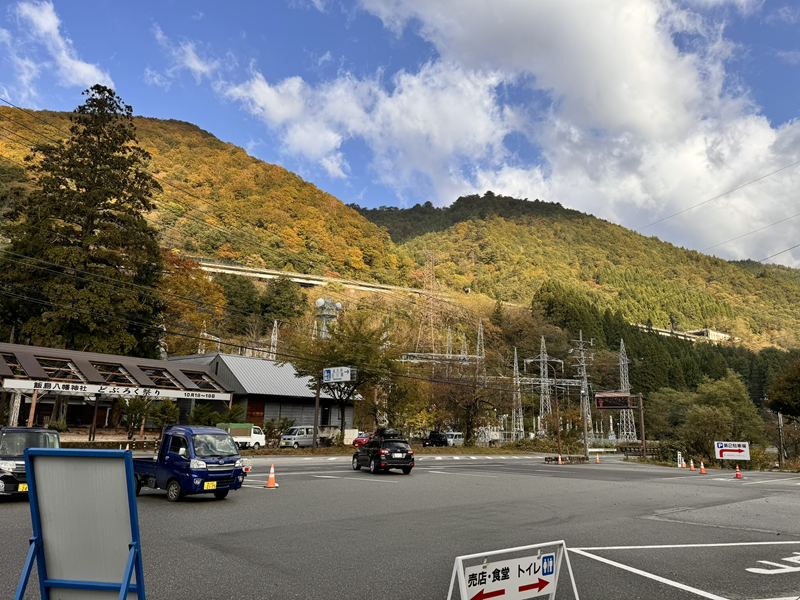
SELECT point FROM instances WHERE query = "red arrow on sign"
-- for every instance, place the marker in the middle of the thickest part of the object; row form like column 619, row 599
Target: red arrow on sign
column 737, row 451
column 481, row 595
column 538, row 586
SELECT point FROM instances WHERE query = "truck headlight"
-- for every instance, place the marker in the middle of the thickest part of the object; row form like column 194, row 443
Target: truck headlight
column 239, row 463
column 197, row 464
column 6, row 465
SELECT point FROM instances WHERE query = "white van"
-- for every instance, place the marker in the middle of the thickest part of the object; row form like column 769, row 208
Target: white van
column 455, row 438
column 297, row 437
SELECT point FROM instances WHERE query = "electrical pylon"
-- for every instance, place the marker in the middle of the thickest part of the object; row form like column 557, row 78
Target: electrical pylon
column 273, row 341
column 584, row 377
column 517, row 421
column 627, row 420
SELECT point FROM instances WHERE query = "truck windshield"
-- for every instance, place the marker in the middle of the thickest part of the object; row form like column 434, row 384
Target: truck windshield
column 209, row 444
column 13, row 443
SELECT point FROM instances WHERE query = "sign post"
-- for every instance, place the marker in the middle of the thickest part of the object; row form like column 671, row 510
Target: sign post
column 71, row 492
column 512, row 579
column 732, row 450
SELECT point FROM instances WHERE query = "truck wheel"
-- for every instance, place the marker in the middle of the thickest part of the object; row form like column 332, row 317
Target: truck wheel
column 373, row 466
column 406, row 470
column 256, row 446
column 295, row 445
column 220, row 494
column 138, row 486
column 173, row 490
column 356, row 466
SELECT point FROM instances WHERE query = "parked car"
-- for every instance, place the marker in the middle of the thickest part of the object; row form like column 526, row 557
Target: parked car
column 361, row 439
column 384, row 453
column 435, row 438
column 455, row 438
column 192, row 460
column 13, row 441
column 297, row 437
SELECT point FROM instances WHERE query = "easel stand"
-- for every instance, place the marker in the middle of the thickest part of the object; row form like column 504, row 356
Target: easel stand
column 70, row 491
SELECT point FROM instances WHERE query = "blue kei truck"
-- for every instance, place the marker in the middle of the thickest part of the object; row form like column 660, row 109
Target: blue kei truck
column 192, row 460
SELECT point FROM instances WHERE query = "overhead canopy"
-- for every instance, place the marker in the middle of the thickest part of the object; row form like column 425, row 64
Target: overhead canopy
column 69, row 372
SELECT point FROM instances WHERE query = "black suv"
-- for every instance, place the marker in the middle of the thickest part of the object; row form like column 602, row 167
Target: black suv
column 435, row 438
column 13, row 441
column 385, row 450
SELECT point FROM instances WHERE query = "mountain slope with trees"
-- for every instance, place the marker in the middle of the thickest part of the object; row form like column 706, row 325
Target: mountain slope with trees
column 508, row 248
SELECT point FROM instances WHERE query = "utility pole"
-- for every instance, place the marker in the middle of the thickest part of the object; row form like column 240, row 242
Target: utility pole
column 316, row 413
column 780, row 441
column 586, row 414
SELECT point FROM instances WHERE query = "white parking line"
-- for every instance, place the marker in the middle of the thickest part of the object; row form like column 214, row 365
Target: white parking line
column 680, row 586
column 326, row 476
column 456, row 458
column 464, row 474
column 438, row 458
column 474, row 457
column 771, row 480
column 334, row 458
column 504, row 457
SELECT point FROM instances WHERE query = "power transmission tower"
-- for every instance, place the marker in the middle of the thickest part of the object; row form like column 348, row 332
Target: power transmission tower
column 627, row 420
column 517, row 421
column 273, row 341
column 588, row 434
column 429, row 320
column 544, row 380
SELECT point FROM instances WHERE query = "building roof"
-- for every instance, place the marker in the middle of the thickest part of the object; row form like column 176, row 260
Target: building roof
column 255, row 376
column 54, row 369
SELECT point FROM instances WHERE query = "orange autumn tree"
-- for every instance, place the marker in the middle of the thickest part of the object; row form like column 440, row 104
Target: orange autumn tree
column 193, row 304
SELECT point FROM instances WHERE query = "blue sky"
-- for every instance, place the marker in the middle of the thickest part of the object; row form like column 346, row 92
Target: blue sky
column 631, row 110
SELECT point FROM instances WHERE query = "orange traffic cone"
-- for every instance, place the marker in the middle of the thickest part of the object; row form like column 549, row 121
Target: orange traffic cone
column 691, row 464
column 127, row 446
column 702, row 468
column 738, row 473
column 598, row 459
column 559, row 460
column 683, row 464
column 271, row 481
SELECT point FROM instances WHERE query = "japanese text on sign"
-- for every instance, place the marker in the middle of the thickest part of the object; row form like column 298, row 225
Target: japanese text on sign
column 58, row 387
column 732, row 450
column 514, row 579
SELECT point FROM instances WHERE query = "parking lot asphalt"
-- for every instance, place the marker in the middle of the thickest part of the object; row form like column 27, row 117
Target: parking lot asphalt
column 634, row 531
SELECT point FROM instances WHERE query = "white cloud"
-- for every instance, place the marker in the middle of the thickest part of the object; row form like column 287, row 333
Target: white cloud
column 791, row 57
column 784, row 14
column 182, row 56
column 45, row 27
column 625, row 124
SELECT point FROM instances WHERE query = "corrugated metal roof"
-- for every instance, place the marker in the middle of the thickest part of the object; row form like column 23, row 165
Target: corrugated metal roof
column 247, row 375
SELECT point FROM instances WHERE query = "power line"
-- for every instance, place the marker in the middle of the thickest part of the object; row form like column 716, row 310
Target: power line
column 752, row 232
column 680, row 212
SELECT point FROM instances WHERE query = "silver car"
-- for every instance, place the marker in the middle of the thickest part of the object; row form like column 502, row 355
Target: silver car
column 297, row 437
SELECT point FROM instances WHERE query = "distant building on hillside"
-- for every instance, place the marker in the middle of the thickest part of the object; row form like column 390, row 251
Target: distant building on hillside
column 715, row 337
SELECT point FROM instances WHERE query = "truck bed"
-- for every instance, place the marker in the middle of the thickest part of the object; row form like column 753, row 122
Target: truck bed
column 145, row 465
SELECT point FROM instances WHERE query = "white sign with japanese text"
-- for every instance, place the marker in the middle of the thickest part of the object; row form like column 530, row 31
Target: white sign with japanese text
column 732, row 450
column 514, row 579
column 81, row 389
column 336, row 374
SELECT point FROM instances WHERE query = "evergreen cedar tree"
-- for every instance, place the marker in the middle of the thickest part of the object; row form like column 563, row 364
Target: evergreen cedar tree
column 85, row 212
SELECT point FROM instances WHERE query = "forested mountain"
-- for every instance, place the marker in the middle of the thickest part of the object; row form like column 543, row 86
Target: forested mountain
column 507, row 248
column 219, row 202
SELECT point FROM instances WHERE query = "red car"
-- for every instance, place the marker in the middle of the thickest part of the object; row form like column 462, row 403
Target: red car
column 361, row 439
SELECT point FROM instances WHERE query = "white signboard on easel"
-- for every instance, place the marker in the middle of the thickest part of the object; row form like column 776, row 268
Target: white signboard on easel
column 529, row 576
